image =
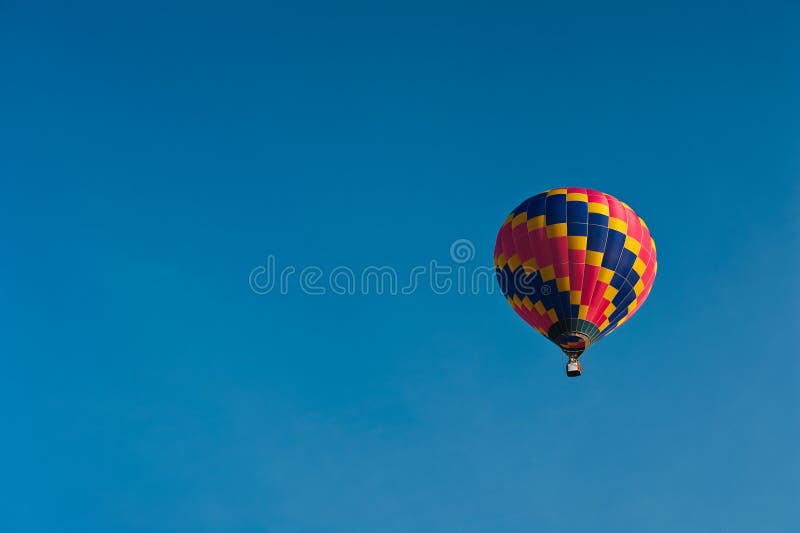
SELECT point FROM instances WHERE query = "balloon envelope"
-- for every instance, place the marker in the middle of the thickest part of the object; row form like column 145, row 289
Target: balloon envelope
column 575, row 264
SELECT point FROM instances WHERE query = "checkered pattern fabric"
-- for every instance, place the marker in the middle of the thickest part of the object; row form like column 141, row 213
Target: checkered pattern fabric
column 575, row 264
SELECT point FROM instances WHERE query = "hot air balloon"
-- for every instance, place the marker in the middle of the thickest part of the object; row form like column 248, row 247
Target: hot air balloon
column 575, row 264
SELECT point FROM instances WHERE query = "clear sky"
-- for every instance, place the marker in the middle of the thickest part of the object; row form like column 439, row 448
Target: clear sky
column 154, row 153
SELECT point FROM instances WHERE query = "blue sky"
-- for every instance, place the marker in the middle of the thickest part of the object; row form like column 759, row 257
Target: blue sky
column 154, row 154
